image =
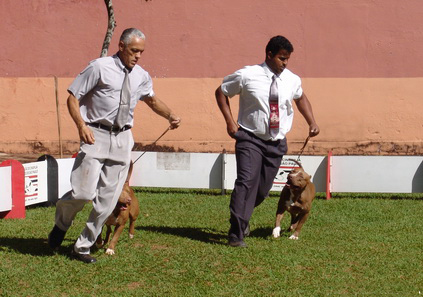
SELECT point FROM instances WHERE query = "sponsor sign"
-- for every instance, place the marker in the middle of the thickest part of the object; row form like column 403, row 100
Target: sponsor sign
column 35, row 182
column 281, row 177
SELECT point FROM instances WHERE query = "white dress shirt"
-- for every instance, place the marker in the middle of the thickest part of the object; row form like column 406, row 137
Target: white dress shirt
column 252, row 84
column 98, row 89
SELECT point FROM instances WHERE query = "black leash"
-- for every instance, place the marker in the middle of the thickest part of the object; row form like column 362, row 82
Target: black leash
column 299, row 156
column 302, row 149
column 168, row 128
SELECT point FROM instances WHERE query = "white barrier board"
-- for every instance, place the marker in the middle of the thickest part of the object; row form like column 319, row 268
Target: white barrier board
column 35, row 182
column 389, row 174
column 380, row 174
column 5, row 188
column 177, row 170
column 313, row 165
column 64, row 171
column 210, row 171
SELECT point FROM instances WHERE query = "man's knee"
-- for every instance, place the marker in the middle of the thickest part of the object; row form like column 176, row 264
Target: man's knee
column 84, row 196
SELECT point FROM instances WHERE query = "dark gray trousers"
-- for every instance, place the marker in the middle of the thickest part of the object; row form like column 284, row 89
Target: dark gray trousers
column 258, row 163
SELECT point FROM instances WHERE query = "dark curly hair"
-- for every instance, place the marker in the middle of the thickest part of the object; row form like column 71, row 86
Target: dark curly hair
column 278, row 43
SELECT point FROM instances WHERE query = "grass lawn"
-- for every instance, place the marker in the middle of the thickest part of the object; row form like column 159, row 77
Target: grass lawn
column 348, row 247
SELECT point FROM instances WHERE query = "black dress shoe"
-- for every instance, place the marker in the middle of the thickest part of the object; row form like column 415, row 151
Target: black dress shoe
column 235, row 242
column 86, row 258
column 55, row 238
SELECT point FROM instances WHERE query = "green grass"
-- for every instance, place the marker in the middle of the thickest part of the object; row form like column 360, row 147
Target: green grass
column 348, row 247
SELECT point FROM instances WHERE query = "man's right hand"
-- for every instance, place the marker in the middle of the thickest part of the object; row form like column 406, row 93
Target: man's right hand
column 86, row 134
column 224, row 106
column 232, row 129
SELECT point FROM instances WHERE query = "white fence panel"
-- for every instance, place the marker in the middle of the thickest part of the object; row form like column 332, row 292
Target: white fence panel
column 208, row 171
column 313, row 165
column 5, row 188
column 381, row 174
column 177, row 170
column 64, row 172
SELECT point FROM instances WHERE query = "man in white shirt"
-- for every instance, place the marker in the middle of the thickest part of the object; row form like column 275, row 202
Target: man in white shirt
column 266, row 93
column 101, row 102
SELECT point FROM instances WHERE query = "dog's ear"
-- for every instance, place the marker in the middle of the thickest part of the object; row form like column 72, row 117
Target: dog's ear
column 307, row 177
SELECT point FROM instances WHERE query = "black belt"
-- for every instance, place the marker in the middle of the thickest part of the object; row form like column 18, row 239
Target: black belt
column 109, row 128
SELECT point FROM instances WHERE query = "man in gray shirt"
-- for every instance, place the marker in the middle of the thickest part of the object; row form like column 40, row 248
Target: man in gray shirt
column 101, row 103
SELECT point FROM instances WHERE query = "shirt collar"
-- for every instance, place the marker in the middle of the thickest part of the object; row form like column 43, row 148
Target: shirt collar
column 269, row 72
column 119, row 63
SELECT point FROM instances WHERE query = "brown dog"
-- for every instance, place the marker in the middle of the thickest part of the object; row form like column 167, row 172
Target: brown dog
column 296, row 198
column 126, row 208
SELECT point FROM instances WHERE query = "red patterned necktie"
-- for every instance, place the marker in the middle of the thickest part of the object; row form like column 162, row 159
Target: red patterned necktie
column 274, row 108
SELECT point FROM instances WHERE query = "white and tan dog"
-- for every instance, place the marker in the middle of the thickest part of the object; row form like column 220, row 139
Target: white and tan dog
column 296, row 198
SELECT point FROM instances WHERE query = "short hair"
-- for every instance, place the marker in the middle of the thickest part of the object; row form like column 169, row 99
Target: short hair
column 127, row 35
column 278, row 43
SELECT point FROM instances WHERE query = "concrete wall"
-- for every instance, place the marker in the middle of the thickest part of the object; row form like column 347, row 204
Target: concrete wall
column 358, row 60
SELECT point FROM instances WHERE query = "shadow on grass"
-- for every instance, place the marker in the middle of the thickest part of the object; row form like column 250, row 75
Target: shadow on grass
column 203, row 234
column 263, row 232
column 200, row 234
column 33, row 246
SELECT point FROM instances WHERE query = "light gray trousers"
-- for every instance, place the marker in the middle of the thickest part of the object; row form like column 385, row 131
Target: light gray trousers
column 98, row 175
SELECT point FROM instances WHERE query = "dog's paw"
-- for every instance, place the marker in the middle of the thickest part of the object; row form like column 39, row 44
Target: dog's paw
column 276, row 232
column 294, row 237
column 110, row 252
column 99, row 245
column 131, row 236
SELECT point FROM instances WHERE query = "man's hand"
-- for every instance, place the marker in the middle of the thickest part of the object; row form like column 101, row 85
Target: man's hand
column 313, row 130
column 174, row 121
column 86, row 134
column 232, row 128
column 224, row 106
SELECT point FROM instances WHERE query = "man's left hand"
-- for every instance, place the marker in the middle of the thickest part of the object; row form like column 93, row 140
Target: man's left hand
column 174, row 121
column 313, row 130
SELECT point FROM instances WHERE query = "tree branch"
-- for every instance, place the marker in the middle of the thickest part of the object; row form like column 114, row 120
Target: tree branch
column 110, row 28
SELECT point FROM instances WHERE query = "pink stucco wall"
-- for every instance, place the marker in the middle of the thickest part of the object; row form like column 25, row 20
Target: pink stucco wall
column 359, row 61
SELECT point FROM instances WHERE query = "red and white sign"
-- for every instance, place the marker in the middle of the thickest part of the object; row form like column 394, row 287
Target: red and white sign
column 284, row 169
column 35, row 183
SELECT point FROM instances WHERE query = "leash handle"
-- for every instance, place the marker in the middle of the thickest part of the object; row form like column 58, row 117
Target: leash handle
column 168, row 128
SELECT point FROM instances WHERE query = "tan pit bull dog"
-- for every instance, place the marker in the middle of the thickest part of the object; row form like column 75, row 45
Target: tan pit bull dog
column 296, row 198
column 126, row 208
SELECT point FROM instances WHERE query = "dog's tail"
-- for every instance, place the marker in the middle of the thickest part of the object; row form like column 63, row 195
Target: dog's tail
column 296, row 162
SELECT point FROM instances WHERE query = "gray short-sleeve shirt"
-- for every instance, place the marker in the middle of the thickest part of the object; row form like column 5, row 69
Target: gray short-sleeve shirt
column 98, row 89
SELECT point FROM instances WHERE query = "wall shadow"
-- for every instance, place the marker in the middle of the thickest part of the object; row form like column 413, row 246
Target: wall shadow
column 417, row 182
column 319, row 178
column 215, row 177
